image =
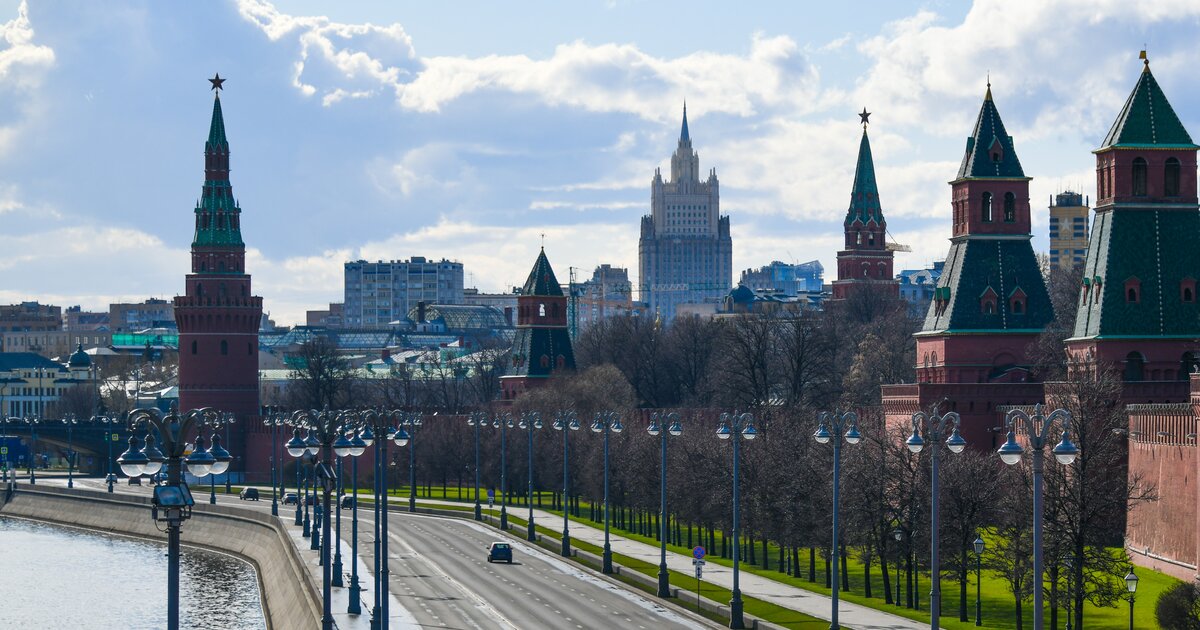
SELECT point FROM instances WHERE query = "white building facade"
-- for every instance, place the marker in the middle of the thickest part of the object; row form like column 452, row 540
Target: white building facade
column 379, row 293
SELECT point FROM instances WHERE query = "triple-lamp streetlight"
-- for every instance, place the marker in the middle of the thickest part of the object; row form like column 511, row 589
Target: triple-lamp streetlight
column 377, row 425
column 504, row 423
column 411, row 421
column 1037, row 429
column 172, row 500
column 669, row 425
column 935, row 425
column 110, row 435
column 71, row 422
column 738, row 427
column 606, row 422
column 530, row 420
column 565, row 422
column 222, row 420
column 274, row 418
column 840, row 422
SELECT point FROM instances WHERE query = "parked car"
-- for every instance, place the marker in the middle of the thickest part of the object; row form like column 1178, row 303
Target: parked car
column 499, row 551
column 135, row 481
column 310, row 499
column 248, row 494
column 347, row 502
column 290, row 499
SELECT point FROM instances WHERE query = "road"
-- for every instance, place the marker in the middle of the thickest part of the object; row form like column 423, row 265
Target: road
column 440, row 575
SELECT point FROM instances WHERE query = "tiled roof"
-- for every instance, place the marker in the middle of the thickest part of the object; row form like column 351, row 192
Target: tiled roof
column 990, row 151
column 541, row 279
column 1147, row 119
column 533, row 343
column 10, row 361
column 972, row 267
column 864, row 198
column 1155, row 247
column 216, row 130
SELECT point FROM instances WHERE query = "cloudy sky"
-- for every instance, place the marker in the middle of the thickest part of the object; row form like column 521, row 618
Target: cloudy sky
column 384, row 130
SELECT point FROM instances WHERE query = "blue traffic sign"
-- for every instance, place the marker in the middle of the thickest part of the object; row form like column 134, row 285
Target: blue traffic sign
column 698, row 553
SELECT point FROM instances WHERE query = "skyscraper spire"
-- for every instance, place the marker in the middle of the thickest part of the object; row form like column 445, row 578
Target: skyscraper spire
column 683, row 133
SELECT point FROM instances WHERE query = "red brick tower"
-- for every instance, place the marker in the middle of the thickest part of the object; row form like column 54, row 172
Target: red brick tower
column 866, row 263
column 218, row 316
column 542, row 348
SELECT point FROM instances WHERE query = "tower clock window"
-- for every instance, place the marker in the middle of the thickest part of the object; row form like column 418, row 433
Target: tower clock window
column 1010, row 207
column 986, row 208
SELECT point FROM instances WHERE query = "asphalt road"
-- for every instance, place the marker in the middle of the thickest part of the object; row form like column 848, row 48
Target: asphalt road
column 440, row 574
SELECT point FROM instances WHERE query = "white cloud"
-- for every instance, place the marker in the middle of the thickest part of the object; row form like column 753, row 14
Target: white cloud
column 23, row 64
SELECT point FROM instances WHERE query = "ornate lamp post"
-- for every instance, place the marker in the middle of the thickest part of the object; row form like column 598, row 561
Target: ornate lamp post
column 378, row 426
column 1131, row 581
column 669, row 426
column 898, row 534
column 326, row 430
column 109, row 427
column 172, row 501
column 357, row 448
column 503, row 423
column 273, row 418
column 1037, row 428
column 32, row 421
column 838, row 421
column 529, row 421
column 935, row 426
column 222, row 420
column 607, row 422
column 476, row 420
column 738, row 427
column 565, row 422
column 979, row 547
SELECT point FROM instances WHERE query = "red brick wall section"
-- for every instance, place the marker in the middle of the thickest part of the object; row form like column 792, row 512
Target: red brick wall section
column 1162, row 534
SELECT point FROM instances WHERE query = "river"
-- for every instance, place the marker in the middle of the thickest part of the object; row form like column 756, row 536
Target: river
column 61, row 577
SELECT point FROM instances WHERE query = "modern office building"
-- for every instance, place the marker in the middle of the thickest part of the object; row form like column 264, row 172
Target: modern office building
column 30, row 316
column 134, row 316
column 1068, row 229
column 685, row 255
column 380, row 293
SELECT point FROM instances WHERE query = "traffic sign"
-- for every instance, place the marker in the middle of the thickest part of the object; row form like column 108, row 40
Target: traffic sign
column 116, row 438
column 699, row 573
column 698, row 552
column 698, row 562
column 3, row 450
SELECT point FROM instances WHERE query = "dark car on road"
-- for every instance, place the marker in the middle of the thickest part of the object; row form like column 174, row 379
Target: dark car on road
column 290, row 499
column 347, row 502
column 499, row 552
column 248, row 494
column 135, row 481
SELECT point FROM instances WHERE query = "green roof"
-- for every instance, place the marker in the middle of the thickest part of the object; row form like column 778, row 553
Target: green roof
column 216, row 130
column 864, row 198
column 1154, row 247
column 541, row 279
column 975, row 265
column 217, row 201
column 1147, row 119
column 990, row 151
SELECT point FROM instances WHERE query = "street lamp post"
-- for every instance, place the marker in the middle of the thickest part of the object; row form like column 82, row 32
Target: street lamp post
column 840, row 422
column 565, row 422
column 379, row 426
column 607, row 422
column 979, row 547
column 476, row 420
column 935, row 425
column 172, row 501
column 669, row 426
column 898, row 534
column 1131, row 581
column 357, row 448
column 273, row 419
column 222, row 420
column 412, row 421
column 32, row 421
column 325, row 439
column 1037, row 428
column 503, row 423
column 70, row 421
column 529, row 421
column 738, row 427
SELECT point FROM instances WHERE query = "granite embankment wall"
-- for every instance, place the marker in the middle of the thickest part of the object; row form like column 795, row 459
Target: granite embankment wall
column 289, row 591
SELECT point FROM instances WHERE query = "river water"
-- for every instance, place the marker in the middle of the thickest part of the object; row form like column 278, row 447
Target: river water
column 59, row 577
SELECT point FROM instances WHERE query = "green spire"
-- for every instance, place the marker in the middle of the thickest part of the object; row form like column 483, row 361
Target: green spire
column 218, row 217
column 990, row 151
column 216, row 130
column 1148, row 120
column 864, row 198
column 541, row 279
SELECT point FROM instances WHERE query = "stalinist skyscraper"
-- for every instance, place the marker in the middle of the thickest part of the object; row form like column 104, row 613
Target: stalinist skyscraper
column 685, row 254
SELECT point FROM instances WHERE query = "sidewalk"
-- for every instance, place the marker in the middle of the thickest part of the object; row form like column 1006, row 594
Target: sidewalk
column 756, row 586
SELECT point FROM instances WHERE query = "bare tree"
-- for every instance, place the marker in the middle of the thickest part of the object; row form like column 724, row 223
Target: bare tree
column 321, row 378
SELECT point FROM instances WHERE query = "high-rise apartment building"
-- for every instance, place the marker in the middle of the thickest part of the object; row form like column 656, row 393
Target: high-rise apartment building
column 1068, row 229
column 685, row 253
column 607, row 293
column 379, row 293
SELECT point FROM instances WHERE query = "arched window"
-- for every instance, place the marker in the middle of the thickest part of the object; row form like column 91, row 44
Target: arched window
column 203, row 267
column 199, row 290
column 249, row 349
column 986, row 208
column 1187, row 365
column 221, row 266
column 193, row 346
column 871, row 239
column 561, row 362
column 224, row 347
column 989, row 307
column 1135, row 366
column 1187, row 290
column 541, row 310
column 1171, row 178
column 1018, row 307
column 1010, row 207
column 545, row 361
column 1139, row 177
column 554, row 310
column 1131, row 294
